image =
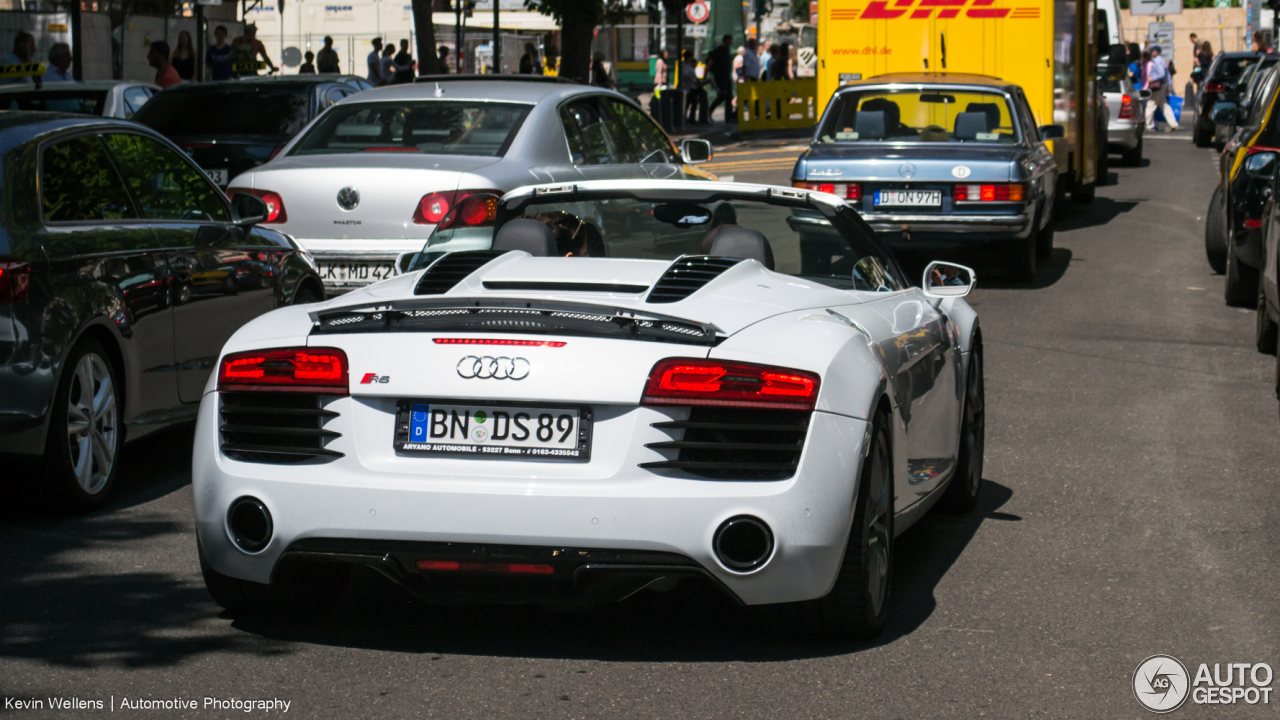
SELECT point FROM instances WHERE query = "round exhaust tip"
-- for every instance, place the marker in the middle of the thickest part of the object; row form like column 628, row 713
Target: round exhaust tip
column 743, row 543
column 250, row 524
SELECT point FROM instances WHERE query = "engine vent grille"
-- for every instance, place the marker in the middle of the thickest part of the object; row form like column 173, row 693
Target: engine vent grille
column 687, row 275
column 275, row 427
column 449, row 270
column 735, row 444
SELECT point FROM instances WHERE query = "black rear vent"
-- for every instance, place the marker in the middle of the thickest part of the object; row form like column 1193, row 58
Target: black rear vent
column 275, row 427
column 735, row 443
column 449, row 270
column 687, row 275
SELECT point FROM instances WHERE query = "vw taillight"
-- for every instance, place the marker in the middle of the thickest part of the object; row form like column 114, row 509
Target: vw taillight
column 693, row 381
column 434, row 207
column 1003, row 192
column 15, row 280
column 318, row 370
column 273, row 201
column 474, row 211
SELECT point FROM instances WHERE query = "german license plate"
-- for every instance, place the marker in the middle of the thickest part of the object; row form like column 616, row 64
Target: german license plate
column 913, row 198
column 219, row 177
column 493, row 431
column 360, row 271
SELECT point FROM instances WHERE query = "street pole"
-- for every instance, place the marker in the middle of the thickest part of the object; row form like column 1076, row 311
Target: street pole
column 77, row 46
column 497, row 42
column 203, row 42
column 457, row 33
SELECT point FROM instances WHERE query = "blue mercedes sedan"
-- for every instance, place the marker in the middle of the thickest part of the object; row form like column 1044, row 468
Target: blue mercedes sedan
column 940, row 161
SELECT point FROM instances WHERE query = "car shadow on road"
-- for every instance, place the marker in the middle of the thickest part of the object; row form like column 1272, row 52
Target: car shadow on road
column 989, row 265
column 1097, row 213
column 693, row 623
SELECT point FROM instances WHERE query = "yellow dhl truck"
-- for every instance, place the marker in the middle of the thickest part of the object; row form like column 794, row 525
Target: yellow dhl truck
column 1048, row 47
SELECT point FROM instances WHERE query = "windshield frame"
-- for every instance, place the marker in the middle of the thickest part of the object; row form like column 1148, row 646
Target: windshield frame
column 1010, row 105
column 306, row 132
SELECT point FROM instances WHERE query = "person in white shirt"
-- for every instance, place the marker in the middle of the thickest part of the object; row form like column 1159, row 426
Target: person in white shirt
column 1157, row 82
column 59, row 64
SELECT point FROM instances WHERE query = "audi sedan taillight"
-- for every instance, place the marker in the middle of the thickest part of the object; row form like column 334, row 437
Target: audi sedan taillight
column 693, row 381
column 315, row 370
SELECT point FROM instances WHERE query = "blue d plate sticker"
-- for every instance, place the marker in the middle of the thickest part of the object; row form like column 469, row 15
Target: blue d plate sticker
column 418, row 421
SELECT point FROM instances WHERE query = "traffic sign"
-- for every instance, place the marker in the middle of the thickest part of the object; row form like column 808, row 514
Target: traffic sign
column 1155, row 7
column 698, row 11
column 1161, row 35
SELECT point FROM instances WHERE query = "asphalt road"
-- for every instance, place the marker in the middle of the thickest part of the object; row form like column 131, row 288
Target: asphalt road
column 1130, row 509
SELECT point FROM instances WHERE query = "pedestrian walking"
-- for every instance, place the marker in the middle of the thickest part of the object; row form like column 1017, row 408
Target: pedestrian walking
column 184, row 57
column 737, row 63
column 781, row 68
column 404, row 64
column 1204, row 59
column 387, row 64
column 374, row 62
column 660, row 72
column 695, row 97
column 245, row 51
column 766, row 59
column 599, row 73
column 217, row 57
column 442, row 60
column 24, row 51
column 327, row 59
column 1157, row 81
column 529, row 62
column 720, row 62
column 158, row 58
column 308, row 67
column 750, row 62
column 60, row 64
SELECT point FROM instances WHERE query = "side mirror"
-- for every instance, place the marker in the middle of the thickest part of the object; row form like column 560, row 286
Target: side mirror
column 1144, row 94
column 1261, row 165
column 1052, row 132
column 944, row 280
column 1224, row 113
column 405, row 260
column 694, row 151
column 247, row 209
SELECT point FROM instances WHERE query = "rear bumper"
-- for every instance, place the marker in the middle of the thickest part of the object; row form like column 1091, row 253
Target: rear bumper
column 1126, row 138
column 373, row 498
column 25, row 395
column 972, row 226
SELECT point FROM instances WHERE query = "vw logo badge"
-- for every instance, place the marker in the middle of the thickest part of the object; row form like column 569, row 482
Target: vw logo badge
column 907, row 170
column 348, row 198
column 491, row 368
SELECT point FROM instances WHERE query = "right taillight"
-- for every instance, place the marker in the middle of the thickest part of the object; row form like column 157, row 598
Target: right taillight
column 473, row 211
column 434, row 207
column 1214, row 87
column 273, row 201
column 695, row 381
column 848, row 191
column 15, row 280
column 304, row 369
column 1126, row 107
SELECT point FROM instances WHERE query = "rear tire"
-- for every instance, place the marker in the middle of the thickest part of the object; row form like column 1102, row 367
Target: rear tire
column 962, row 493
column 1241, row 286
column 1044, row 240
column 1202, row 137
column 1133, row 157
column 858, row 604
column 86, row 430
column 1267, row 330
column 1020, row 259
column 1215, row 233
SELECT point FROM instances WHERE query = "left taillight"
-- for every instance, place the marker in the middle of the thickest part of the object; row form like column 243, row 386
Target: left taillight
column 1002, row 192
column 848, row 191
column 15, row 280
column 273, row 201
column 473, row 211
column 317, row 370
column 693, row 381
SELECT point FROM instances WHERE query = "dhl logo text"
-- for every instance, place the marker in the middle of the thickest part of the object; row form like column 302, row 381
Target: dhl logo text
column 922, row 9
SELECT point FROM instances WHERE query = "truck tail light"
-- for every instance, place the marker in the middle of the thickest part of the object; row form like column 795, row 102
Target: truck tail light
column 1003, row 192
column 15, row 282
column 433, row 207
column 693, row 381
column 304, row 369
column 1126, row 107
column 275, row 203
column 848, row 191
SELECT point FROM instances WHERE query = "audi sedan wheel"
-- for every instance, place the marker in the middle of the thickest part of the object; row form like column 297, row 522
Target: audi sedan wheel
column 85, row 431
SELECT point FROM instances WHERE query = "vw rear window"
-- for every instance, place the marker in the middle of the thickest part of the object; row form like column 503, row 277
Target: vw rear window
column 433, row 127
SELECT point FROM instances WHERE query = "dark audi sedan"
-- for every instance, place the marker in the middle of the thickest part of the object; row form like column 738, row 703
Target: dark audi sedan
column 123, row 270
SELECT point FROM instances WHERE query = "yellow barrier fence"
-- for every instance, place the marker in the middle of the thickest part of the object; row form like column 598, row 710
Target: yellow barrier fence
column 778, row 104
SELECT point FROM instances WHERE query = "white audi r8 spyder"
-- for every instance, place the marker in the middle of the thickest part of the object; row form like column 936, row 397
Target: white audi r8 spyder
column 576, row 392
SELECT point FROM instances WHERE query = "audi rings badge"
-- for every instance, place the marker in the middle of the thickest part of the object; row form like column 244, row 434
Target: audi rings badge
column 493, row 368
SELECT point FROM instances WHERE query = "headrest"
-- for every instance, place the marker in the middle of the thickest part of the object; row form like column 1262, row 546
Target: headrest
column 710, row 238
column 531, row 236
column 991, row 109
column 869, row 125
column 969, row 124
column 892, row 114
column 740, row 242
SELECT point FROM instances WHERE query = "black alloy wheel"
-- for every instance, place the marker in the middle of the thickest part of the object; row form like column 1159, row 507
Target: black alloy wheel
column 1215, row 232
column 962, row 493
column 859, row 602
column 1266, row 330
